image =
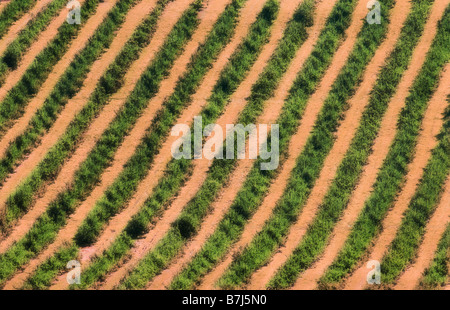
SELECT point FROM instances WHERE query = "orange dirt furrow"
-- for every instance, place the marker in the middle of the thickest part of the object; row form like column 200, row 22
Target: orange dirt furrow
column 308, row 280
column 323, row 10
column 434, row 231
column 297, row 143
column 41, row 43
column 24, row 169
column 250, row 11
column 2, row 5
column 208, row 18
column 221, row 206
column 168, row 19
column 270, row 114
column 262, row 276
column 19, row 25
column 136, row 15
column 431, row 125
column 65, row 177
column 45, row 38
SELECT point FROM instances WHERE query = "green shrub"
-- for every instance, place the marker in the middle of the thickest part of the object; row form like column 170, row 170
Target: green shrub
column 437, row 274
column 67, row 87
column 177, row 171
column 404, row 247
column 349, row 170
column 393, row 170
column 46, row 227
column 258, row 181
column 15, row 101
column 12, row 12
column 14, row 52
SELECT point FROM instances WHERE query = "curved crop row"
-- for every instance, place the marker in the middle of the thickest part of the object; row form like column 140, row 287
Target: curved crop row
column 14, row 52
column 406, row 242
column 139, row 164
column 20, row 201
column 393, row 170
column 205, row 54
column 190, row 220
column 45, row 229
column 252, row 192
column 351, row 167
column 13, row 104
column 230, row 78
column 12, row 12
column 310, row 162
column 437, row 274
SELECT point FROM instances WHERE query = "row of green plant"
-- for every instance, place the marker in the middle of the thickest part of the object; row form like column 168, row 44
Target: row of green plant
column 14, row 52
column 405, row 244
column 117, row 195
column 14, row 103
column 437, row 274
column 191, row 218
column 24, row 196
column 310, row 162
column 12, row 12
column 350, row 169
column 176, row 173
column 258, row 181
column 46, row 227
column 394, row 168
column 223, row 29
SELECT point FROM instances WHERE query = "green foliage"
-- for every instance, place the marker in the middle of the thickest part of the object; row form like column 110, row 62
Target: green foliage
column 16, row 49
column 310, row 161
column 258, row 181
column 437, row 274
column 20, row 201
column 12, row 12
column 230, row 78
column 144, row 90
column 137, row 167
column 393, row 171
column 46, row 227
column 13, row 105
column 348, row 172
column 48, row 271
column 194, row 212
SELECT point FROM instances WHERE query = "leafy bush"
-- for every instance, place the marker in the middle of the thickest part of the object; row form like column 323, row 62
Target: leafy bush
column 13, row 104
column 66, row 88
column 392, row 173
column 12, row 12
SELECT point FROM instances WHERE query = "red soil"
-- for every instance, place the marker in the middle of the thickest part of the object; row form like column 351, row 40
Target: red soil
column 434, row 231
column 36, row 156
column 209, row 16
column 20, row 24
column 262, row 276
column 65, row 177
column 167, row 21
column 250, row 11
column 221, row 206
column 441, row 216
column 426, row 142
column 42, row 42
column 227, row 195
column 309, row 279
column 296, row 145
column 2, row 5
column 258, row 219
column 19, row 126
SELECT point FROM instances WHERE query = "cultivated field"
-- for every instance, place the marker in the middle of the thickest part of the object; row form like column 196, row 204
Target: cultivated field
column 93, row 92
